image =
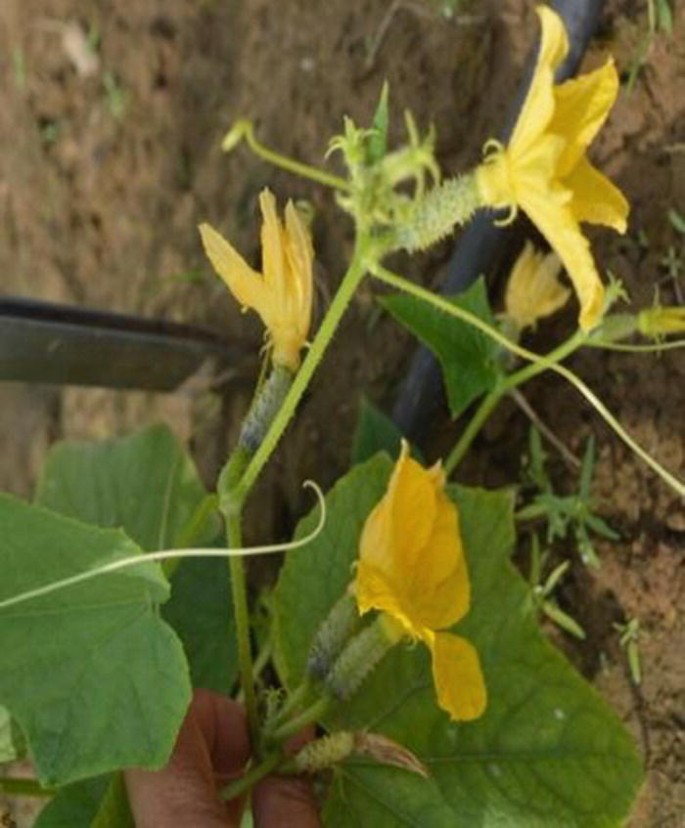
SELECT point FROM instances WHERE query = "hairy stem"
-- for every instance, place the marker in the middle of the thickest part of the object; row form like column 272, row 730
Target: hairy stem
column 242, row 624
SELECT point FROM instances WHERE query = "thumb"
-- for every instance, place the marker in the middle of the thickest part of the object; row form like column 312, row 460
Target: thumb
column 283, row 802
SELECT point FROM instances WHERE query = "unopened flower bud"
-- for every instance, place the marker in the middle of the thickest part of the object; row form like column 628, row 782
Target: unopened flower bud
column 657, row 321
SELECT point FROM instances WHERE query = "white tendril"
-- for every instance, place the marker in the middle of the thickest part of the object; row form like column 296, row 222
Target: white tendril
column 169, row 554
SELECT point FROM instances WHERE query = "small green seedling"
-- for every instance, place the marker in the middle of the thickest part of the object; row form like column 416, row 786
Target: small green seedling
column 659, row 20
column 116, row 96
column 629, row 638
column 565, row 512
column 19, row 68
column 542, row 592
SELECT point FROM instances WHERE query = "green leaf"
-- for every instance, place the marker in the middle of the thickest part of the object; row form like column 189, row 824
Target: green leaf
column 143, row 483
column 378, row 141
column 114, row 810
column 468, row 357
column 201, row 612
column 374, row 432
column 93, row 676
column 547, row 752
column 75, row 805
column 100, row 802
column 7, row 749
column 147, row 485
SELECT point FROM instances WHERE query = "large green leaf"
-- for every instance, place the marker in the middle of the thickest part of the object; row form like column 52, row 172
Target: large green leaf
column 468, row 357
column 547, row 752
column 75, row 805
column 7, row 750
column 143, row 483
column 201, row 612
column 114, row 810
column 100, row 802
column 94, row 677
column 374, row 432
column 147, row 485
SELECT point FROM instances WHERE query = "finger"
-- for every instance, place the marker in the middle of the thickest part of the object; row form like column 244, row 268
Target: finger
column 184, row 792
column 224, row 726
column 283, row 802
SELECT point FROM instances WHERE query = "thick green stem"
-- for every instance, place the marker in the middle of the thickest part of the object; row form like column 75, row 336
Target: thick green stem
column 322, row 339
column 13, row 786
column 306, row 717
column 244, row 467
column 242, row 624
column 240, row 786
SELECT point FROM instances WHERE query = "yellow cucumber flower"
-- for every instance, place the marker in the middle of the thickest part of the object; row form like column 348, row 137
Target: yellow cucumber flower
column 533, row 290
column 544, row 169
column 282, row 296
column 412, row 568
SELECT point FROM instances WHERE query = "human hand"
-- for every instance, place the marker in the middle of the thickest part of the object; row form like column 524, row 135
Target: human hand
column 211, row 750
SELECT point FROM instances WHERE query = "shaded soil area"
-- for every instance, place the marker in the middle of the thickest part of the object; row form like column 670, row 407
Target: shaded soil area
column 111, row 122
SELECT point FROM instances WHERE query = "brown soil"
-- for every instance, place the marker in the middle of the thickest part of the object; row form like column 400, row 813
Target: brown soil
column 104, row 177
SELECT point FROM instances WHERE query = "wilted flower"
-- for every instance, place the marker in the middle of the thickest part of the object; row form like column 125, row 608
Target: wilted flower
column 544, row 169
column 412, row 568
column 533, row 290
column 282, row 295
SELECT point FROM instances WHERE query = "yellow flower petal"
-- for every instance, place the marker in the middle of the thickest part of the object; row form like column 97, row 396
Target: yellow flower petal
column 440, row 591
column 399, row 527
column 458, row 677
column 533, row 290
column 243, row 282
column 373, row 590
column 558, row 225
column 595, row 198
column 581, row 107
column 413, row 569
column 411, row 546
column 282, row 296
column 272, row 247
column 538, row 108
column 300, row 257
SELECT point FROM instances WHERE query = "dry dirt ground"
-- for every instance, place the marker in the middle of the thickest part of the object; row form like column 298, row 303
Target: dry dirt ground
column 111, row 118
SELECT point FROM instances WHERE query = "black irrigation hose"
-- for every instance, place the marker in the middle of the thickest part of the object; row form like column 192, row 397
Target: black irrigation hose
column 482, row 245
column 57, row 344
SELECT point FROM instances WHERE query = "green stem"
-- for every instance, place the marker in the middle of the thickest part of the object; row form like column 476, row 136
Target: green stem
column 245, row 129
column 547, row 361
column 486, row 407
column 242, row 623
column 13, row 786
column 543, row 363
column 294, row 700
column 240, row 786
column 492, row 399
column 312, row 714
column 341, row 300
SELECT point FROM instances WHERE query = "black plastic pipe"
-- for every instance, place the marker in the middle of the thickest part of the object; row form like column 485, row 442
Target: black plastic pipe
column 58, row 344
